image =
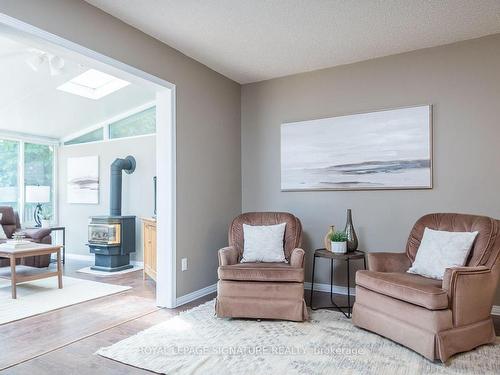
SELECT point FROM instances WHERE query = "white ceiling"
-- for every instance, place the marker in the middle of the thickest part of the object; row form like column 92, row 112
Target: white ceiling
column 31, row 104
column 253, row 40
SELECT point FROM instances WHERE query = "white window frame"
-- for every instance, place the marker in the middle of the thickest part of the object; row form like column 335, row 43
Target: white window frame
column 105, row 127
column 22, row 139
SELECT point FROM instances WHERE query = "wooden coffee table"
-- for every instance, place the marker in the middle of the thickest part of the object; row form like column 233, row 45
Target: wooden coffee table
column 33, row 250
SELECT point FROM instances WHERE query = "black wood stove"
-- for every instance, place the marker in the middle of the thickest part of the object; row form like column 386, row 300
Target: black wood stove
column 112, row 238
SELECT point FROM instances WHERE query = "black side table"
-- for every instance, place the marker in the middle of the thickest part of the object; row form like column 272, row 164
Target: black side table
column 63, row 230
column 347, row 257
column 55, row 228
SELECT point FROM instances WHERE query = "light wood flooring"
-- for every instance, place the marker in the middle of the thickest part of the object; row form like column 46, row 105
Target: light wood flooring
column 64, row 341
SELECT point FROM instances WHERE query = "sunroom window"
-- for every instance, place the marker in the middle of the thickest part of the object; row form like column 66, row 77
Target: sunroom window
column 140, row 123
column 93, row 136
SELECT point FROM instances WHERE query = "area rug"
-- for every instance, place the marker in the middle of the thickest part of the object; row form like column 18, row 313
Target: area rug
column 108, row 274
column 40, row 296
column 197, row 342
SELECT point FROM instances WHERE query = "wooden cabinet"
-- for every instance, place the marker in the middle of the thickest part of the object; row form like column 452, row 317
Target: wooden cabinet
column 149, row 247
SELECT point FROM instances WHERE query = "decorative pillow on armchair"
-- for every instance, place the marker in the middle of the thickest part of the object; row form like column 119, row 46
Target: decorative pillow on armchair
column 263, row 243
column 3, row 236
column 439, row 250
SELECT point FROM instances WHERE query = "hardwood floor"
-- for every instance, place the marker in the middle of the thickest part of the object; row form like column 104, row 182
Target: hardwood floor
column 64, row 341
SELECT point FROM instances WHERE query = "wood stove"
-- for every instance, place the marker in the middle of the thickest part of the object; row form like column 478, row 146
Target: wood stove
column 105, row 234
column 112, row 238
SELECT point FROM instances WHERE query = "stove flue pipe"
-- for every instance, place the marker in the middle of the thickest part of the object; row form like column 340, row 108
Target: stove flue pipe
column 115, row 194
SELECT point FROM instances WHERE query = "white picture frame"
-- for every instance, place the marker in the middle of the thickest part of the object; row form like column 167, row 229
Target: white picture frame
column 83, row 180
column 386, row 149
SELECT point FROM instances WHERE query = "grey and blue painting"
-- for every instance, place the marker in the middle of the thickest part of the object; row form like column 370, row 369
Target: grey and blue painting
column 378, row 150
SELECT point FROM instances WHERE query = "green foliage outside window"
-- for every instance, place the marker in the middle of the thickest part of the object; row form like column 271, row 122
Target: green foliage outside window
column 140, row 123
column 38, row 170
column 9, row 156
column 93, row 136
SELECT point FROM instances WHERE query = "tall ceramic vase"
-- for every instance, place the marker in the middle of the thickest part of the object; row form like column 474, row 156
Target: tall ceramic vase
column 328, row 242
column 352, row 239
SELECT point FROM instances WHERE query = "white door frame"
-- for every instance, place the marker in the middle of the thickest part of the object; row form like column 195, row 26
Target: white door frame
column 165, row 157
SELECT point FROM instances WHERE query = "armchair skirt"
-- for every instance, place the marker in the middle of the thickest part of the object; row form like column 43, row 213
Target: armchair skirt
column 261, row 300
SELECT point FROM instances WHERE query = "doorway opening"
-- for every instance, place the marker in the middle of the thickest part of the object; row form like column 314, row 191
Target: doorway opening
column 143, row 99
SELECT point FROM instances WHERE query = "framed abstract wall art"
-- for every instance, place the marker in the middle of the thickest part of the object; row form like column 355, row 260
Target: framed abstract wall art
column 387, row 149
column 83, row 180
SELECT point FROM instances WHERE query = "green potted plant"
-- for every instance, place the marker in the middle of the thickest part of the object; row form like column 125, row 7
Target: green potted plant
column 45, row 219
column 339, row 242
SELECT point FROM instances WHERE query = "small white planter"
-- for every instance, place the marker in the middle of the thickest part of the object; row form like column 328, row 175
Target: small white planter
column 339, row 247
column 45, row 223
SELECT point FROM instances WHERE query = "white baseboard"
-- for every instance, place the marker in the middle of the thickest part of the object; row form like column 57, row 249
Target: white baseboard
column 90, row 258
column 326, row 288
column 182, row 300
column 495, row 310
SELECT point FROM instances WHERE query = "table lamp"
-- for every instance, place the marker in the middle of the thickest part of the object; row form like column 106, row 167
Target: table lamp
column 37, row 194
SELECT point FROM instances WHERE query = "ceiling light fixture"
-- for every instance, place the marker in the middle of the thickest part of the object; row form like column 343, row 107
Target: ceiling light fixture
column 93, row 84
column 56, row 64
column 36, row 61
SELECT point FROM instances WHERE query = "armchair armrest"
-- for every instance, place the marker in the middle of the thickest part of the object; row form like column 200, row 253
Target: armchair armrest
column 388, row 262
column 36, row 233
column 228, row 255
column 470, row 293
column 297, row 258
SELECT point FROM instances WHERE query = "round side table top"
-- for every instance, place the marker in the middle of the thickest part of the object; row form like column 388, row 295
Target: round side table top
column 324, row 253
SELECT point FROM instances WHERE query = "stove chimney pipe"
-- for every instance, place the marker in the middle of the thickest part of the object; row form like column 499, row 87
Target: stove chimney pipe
column 115, row 195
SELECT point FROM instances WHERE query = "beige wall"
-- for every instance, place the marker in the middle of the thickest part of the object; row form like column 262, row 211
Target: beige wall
column 462, row 81
column 208, row 125
column 137, row 190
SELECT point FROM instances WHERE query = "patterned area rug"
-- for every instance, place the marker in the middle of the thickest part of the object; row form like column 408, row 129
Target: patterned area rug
column 197, row 342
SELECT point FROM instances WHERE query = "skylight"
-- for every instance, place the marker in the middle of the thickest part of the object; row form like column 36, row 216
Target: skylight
column 93, row 84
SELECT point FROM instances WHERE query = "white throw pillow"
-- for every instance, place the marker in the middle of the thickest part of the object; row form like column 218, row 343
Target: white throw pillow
column 3, row 236
column 439, row 250
column 263, row 243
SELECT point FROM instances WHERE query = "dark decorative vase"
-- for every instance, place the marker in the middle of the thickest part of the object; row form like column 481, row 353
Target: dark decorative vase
column 352, row 239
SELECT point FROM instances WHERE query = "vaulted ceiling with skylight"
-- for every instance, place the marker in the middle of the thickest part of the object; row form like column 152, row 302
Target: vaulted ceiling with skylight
column 48, row 94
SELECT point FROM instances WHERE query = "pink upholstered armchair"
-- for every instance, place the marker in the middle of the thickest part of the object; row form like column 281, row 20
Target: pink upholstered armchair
column 262, row 290
column 434, row 318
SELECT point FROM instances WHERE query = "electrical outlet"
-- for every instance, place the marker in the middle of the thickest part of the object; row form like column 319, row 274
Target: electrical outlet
column 184, row 264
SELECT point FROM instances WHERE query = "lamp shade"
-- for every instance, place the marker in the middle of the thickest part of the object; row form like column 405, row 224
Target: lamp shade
column 37, row 194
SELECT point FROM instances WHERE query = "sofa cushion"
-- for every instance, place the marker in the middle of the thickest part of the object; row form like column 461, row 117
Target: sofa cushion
column 440, row 250
column 484, row 245
column 261, row 272
column 36, row 234
column 263, row 243
column 415, row 289
column 8, row 215
column 293, row 229
column 3, row 236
